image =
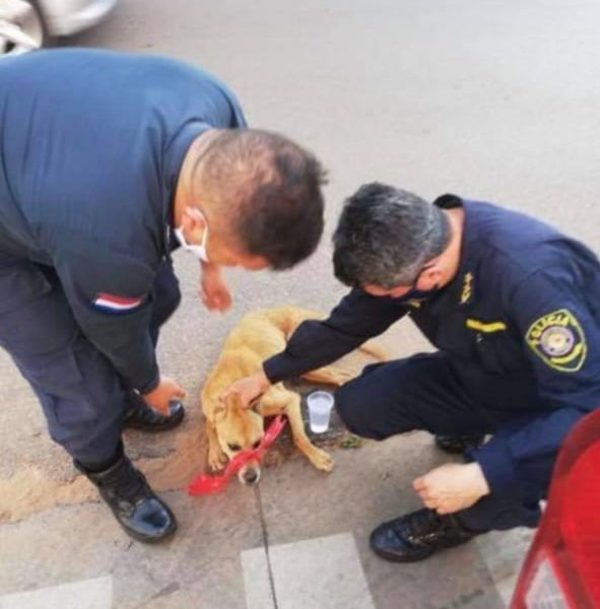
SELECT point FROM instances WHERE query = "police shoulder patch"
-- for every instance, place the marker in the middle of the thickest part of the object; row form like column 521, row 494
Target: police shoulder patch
column 558, row 339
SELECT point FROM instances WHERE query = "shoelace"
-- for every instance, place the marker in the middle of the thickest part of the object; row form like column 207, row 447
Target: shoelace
column 420, row 523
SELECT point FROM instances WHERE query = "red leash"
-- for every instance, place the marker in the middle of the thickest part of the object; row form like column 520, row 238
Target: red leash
column 206, row 485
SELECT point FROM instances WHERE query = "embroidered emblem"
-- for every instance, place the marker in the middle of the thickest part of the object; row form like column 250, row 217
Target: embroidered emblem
column 467, row 289
column 110, row 303
column 558, row 339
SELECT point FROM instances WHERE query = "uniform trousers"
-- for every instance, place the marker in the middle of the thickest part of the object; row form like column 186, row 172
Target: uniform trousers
column 81, row 394
column 432, row 392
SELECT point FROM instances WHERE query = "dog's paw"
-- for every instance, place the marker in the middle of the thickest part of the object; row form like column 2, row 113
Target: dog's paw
column 216, row 459
column 321, row 460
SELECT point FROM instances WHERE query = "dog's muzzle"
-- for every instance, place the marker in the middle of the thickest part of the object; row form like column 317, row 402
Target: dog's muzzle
column 249, row 475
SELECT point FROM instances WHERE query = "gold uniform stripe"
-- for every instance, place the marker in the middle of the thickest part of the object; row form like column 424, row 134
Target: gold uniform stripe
column 480, row 326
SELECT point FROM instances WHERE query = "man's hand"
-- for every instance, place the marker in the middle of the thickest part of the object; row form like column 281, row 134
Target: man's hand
column 214, row 292
column 167, row 390
column 452, row 487
column 248, row 389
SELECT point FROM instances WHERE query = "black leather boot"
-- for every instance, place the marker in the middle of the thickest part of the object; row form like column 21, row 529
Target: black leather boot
column 138, row 415
column 457, row 445
column 417, row 535
column 139, row 511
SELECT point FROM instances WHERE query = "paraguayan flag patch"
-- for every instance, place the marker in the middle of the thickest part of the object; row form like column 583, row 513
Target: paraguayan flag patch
column 110, row 303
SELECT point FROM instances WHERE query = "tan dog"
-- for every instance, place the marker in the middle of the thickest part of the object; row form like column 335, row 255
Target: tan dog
column 230, row 428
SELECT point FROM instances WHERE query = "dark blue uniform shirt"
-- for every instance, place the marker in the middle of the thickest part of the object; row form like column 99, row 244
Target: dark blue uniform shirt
column 524, row 308
column 91, row 144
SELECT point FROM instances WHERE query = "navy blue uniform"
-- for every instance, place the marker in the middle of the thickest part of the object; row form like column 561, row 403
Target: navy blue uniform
column 518, row 339
column 91, row 145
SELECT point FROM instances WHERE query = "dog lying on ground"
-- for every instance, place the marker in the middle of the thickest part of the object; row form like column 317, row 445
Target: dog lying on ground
column 231, row 428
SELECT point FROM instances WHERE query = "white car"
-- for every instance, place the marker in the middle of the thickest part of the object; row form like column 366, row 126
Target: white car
column 26, row 25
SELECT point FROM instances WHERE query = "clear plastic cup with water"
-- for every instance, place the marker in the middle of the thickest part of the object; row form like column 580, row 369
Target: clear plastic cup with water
column 320, row 404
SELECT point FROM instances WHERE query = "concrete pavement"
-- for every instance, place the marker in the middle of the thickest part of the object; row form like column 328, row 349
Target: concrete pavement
column 496, row 100
column 299, row 540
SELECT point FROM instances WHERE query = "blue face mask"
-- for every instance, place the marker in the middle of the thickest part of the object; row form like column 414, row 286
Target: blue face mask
column 420, row 295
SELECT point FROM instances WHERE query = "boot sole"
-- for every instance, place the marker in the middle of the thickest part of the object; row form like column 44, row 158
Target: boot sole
column 150, row 540
column 392, row 557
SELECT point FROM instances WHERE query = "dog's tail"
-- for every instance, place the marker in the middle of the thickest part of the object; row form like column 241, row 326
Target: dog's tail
column 349, row 366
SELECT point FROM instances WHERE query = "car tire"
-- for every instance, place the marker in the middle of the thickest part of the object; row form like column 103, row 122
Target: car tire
column 27, row 16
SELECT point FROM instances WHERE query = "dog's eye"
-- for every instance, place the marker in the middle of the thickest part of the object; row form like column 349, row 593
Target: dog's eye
column 234, row 447
column 256, row 444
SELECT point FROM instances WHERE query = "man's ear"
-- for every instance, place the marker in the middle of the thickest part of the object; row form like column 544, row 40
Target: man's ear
column 192, row 218
column 433, row 275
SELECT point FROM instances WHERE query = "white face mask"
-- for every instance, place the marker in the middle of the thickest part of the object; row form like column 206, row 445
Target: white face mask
column 198, row 250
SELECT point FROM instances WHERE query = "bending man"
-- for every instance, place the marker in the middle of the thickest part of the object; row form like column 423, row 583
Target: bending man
column 109, row 161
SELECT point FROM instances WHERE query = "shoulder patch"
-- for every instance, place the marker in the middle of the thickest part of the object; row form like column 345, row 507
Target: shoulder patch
column 558, row 339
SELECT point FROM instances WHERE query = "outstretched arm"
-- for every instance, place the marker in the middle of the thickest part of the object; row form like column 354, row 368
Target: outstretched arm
column 314, row 344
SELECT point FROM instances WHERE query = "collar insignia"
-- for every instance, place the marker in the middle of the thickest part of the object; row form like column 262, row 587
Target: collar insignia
column 466, row 294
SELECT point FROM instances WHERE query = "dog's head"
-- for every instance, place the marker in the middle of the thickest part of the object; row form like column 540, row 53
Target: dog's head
column 239, row 429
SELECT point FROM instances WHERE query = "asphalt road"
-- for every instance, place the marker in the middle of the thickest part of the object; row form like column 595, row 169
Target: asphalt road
column 493, row 100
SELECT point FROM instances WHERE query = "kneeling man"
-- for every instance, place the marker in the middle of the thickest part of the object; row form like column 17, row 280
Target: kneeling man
column 512, row 306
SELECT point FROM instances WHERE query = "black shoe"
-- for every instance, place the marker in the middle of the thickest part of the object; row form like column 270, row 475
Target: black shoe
column 459, row 444
column 139, row 511
column 138, row 415
column 417, row 535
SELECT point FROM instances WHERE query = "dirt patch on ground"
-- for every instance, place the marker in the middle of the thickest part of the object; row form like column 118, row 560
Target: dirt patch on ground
column 169, row 460
column 179, row 456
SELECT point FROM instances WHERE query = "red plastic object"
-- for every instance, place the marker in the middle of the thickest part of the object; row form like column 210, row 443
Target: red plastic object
column 562, row 568
column 206, row 485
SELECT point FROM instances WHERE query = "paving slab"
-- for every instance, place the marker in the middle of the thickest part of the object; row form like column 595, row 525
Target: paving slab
column 321, row 573
column 258, row 579
column 503, row 552
column 93, row 593
column 198, row 566
column 370, row 485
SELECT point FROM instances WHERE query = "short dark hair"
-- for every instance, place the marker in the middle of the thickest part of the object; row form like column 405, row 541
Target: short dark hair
column 270, row 189
column 385, row 235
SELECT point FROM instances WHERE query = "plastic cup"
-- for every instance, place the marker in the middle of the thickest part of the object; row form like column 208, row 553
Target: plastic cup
column 320, row 404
